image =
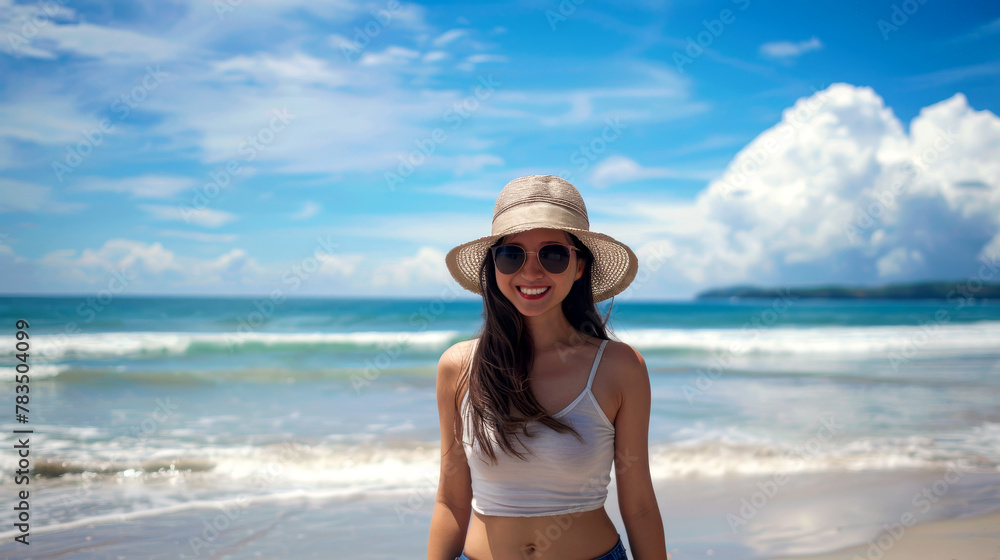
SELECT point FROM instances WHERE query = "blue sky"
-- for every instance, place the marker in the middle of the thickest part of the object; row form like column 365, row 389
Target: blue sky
column 341, row 148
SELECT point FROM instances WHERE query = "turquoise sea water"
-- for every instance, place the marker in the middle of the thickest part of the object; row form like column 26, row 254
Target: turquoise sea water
column 154, row 405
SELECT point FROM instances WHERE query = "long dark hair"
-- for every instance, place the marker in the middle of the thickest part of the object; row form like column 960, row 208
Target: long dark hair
column 497, row 376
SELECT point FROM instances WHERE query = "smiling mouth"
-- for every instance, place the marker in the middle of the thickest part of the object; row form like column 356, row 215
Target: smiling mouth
column 533, row 292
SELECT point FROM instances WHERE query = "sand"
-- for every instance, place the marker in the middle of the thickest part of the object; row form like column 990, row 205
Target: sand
column 955, row 539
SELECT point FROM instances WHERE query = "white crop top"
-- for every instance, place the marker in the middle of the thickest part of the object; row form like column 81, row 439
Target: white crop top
column 559, row 474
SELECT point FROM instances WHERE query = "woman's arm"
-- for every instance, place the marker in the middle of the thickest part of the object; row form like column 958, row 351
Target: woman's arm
column 636, row 500
column 453, row 506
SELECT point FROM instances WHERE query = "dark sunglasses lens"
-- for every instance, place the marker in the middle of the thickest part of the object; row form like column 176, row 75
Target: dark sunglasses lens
column 555, row 258
column 508, row 258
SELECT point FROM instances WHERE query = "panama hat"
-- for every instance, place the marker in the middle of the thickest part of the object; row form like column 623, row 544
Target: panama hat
column 546, row 201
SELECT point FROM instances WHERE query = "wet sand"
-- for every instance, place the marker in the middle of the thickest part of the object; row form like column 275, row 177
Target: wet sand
column 955, row 539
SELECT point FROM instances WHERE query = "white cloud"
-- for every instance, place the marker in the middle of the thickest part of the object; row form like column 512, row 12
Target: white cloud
column 45, row 119
column 200, row 236
column 476, row 188
column 264, row 68
column 466, row 164
column 116, row 254
column 438, row 228
column 835, row 192
column 155, row 268
column 383, row 117
column 339, row 266
column 657, row 94
column 425, row 268
column 899, row 261
column 7, row 251
column 435, row 56
column 984, row 30
column 959, row 74
column 206, row 217
column 788, row 49
column 620, row 169
column 391, row 55
column 109, row 43
column 22, row 196
column 46, row 30
column 143, row 186
column 448, row 37
column 470, row 62
column 148, row 265
column 309, row 209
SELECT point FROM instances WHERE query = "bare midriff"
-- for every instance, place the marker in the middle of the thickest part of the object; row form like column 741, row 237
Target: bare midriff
column 570, row 536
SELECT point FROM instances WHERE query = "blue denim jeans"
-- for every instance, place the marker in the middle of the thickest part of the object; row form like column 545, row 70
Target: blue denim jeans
column 616, row 553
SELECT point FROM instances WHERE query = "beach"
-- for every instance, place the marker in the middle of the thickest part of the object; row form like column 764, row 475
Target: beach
column 779, row 429
column 957, row 539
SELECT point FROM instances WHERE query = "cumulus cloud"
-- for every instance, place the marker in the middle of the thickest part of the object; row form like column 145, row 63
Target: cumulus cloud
column 838, row 191
column 423, row 269
column 153, row 267
column 91, row 266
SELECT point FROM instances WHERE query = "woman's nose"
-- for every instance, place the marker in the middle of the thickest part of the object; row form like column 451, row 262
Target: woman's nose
column 532, row 268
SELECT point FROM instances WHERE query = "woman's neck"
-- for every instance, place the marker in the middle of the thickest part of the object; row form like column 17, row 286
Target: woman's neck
column 552, row 331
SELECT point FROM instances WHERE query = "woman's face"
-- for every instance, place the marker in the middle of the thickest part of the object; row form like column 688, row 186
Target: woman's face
column 533, row 277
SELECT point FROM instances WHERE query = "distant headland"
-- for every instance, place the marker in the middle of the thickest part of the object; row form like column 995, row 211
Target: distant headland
column 968, row 288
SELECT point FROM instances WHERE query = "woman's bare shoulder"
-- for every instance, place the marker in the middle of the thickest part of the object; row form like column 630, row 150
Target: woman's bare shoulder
column 456, row 357
column 628, row 362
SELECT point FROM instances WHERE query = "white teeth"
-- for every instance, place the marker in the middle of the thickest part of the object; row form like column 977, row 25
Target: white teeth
column 532, row 291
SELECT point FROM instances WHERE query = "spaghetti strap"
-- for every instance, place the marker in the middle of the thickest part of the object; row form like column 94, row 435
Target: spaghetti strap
column 597, row 360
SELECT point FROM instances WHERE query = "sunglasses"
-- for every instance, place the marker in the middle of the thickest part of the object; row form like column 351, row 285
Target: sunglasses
column 554, row 258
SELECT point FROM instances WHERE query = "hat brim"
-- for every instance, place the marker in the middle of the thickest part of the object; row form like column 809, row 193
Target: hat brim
column 614, row 267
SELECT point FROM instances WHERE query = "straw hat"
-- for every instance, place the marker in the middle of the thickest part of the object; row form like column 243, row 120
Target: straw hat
column 546, row 201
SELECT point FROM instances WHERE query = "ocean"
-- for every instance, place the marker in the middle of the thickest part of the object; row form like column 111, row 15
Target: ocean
column 241, row 427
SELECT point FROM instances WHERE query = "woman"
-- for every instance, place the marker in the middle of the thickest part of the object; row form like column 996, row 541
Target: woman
column 535, row 409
